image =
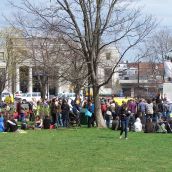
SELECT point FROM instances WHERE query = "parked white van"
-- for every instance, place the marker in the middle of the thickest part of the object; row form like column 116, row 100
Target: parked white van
column 69, row 95
column 31, row 96
column 4, row 95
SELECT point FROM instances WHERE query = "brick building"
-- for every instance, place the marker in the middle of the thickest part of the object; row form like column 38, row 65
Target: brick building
column 143, row 79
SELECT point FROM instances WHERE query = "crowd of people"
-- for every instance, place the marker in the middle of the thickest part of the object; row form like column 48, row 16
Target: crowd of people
column 45, row 114
column 151, row 115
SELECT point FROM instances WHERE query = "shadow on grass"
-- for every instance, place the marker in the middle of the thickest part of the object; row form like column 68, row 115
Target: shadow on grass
column 105, row 137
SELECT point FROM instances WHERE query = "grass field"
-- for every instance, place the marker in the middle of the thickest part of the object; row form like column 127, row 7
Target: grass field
column 84, row 150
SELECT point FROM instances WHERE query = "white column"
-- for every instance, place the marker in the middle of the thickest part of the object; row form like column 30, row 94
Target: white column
column 17, row 78
column 57, row 87
column 30, row 89
column 47, row 89
column 6, row 82
column 132, row 91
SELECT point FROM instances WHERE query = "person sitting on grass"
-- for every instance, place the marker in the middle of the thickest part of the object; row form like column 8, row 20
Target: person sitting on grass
column 149, row 125
column 26, row 126
column 168, row 127
column 161, row 126
column 138, row 125
column 11, row 125
column 46, row 122
column 115, row 122
column 38, row 122
column 16, row 115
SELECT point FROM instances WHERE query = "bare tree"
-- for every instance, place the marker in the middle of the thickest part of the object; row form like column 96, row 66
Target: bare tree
column 2, row 79
column 94, row 26
column 48, row 50
column 155, row 49
column 45, row 60
column 74, row 70
column 161, row 43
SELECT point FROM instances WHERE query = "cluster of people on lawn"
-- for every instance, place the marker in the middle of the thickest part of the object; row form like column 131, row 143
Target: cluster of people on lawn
column 47, row 114
column 148, row 115
column 151, row 115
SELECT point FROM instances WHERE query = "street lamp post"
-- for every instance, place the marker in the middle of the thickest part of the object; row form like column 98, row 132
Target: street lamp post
column 47, row 87
column 138, row 74
column 138, row 78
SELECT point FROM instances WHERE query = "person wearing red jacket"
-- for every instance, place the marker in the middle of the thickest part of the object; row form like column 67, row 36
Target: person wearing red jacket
column 103, row 109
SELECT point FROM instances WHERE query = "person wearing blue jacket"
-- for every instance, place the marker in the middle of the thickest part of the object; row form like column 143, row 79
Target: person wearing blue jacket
column 2, row 128
column 91, row 119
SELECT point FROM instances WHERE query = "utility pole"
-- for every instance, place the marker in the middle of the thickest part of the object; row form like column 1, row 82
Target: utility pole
column 138, row 77
column 138, row 74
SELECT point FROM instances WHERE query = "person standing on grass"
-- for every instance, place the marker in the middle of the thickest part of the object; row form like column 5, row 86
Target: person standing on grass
column 124, row 115
column 91, row 119
column 149, row 109
column 59, row 120
column 142, row 109
column 18, row 108
column 53, row 111
column 2, row 128
column 132, row 107
column 65, row 109
column 103, row 108
column 108, row 116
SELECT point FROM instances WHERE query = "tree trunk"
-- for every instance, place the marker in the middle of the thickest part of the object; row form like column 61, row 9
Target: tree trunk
column 43, row 91
column 98, row 113
column 77, row 90
column 1, row 94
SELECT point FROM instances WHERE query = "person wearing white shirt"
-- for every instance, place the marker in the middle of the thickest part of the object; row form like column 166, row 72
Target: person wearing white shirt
column 138, row 125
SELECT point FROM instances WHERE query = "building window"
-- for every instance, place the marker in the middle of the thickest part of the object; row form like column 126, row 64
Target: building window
column 2, row 72
column 107, row 72
column 2, row 56
column 108, row 56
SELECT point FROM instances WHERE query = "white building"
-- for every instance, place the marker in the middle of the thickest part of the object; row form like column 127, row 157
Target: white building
column 109, row 59
column 25, row 76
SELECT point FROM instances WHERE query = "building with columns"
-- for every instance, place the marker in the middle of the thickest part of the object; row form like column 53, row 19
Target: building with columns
column 24, row 84
column 20, row 84
column 2, row 70
column 24, row 75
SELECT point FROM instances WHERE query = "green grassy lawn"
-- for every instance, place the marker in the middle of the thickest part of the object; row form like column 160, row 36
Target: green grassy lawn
column 84, row 150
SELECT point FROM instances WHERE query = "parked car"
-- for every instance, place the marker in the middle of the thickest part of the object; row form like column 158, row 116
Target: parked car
column 18, row 95
column 69, row 96
column 4, row 95
column 23, row 96
column 33, row 95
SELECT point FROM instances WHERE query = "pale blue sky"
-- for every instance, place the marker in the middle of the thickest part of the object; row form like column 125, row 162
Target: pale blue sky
column 161, row 9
